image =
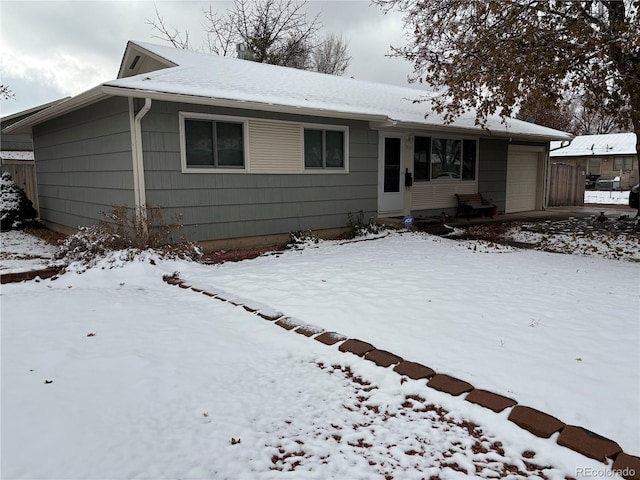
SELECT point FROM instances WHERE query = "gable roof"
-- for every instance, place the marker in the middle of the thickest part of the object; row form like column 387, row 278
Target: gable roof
column 600, row 145
column 166, row 73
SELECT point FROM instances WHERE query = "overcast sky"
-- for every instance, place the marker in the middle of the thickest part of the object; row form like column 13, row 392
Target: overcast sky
column 53, row 49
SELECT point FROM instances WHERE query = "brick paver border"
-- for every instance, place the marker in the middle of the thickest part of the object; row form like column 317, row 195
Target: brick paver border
column 576, row 438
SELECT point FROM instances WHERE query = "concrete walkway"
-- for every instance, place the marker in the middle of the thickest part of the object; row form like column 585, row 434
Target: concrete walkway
column 551, row 213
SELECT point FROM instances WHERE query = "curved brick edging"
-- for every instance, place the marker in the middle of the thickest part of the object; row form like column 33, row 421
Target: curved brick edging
column 576, row 438
column 30, row 275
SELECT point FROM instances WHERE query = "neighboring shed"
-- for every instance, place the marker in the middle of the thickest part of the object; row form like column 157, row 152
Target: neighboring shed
column 242, row 149
column 609, row 156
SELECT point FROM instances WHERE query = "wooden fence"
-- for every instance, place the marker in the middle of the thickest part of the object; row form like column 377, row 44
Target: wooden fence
column 24, row 174
column 566, row 185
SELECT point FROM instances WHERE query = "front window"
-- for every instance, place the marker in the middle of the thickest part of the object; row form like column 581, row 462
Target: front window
column 444, row 159
column 622, row 163
column 324, row 149
column 469, row 159
column 214, row 144
column 421, row 158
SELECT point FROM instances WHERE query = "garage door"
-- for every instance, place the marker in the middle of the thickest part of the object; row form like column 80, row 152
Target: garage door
column 522, row 181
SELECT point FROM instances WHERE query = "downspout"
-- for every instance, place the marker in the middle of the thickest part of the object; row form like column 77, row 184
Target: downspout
column 139, row 192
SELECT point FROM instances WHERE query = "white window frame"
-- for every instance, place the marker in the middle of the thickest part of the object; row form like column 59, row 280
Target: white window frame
column 326, row 170
column 220, row 118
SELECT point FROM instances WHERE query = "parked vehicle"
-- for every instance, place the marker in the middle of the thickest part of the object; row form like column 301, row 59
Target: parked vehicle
column 590, row 182
column 608, row 183
column 634, row 197
column 449, row 175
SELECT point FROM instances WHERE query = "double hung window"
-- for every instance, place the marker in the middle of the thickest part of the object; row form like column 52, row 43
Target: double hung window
column 214, row 144
column 324, row 149
column 622, row 163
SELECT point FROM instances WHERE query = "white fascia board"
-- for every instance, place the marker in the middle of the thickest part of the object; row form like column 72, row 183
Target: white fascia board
column 482, row 132
column 86, row 98
column 32, row 110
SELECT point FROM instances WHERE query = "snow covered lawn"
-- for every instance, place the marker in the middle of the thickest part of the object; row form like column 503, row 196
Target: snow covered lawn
column 114, row 374
column 21, row 252
column 559, row 333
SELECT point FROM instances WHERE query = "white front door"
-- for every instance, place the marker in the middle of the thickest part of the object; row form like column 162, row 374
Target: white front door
column 390, row 178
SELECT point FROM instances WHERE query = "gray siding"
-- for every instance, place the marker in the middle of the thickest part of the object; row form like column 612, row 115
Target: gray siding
column 84, row 163
column 492, row 170
column 9, row 141
column 227, row 205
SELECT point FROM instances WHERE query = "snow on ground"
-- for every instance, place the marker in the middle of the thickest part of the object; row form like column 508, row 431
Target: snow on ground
column 115, row 374
column 556, row 332
column 152, row 381
column 584, row 243
column 605, row 197
column 21, row 252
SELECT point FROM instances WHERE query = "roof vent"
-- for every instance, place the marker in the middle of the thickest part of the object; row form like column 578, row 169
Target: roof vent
column 134, row 63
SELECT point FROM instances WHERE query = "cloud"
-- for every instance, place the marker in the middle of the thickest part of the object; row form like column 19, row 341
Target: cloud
column 68, row 47
column 68, row 74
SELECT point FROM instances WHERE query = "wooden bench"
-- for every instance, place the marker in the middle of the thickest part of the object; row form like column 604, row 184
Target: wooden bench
column 471, row 204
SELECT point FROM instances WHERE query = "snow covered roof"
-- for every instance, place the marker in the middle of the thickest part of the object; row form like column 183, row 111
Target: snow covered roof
column 597, row 145
column 24, row 113
column 181, row 75
column 23, row 155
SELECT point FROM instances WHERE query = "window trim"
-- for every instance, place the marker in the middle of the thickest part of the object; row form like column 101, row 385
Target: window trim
column 345, row 148
column 183, row 116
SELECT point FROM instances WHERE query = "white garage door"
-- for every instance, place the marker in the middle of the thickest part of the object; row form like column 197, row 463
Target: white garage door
column 522, row 181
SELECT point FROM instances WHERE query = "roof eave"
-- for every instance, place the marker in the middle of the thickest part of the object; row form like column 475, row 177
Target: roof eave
column 103, row 91
column 513, row 136
column 32, row 110
column 23, row 127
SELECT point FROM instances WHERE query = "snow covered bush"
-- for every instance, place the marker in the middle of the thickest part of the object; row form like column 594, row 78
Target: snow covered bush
column 359, row 228
column 16, row 208
column 300, row 239
column 127, row 235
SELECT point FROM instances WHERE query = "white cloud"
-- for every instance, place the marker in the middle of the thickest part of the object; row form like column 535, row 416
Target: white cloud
column 67, row 47
column 65, row 73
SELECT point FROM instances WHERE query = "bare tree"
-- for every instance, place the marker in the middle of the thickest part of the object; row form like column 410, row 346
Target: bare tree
column 221, row 36
column 275, row 31
column 593, row 121
column 491, row 55
column 169, row 32
column 6, row 93
column 278, row 32
column 570, row 115
column 331, row 55
column 558, row 115
column 589, row 122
